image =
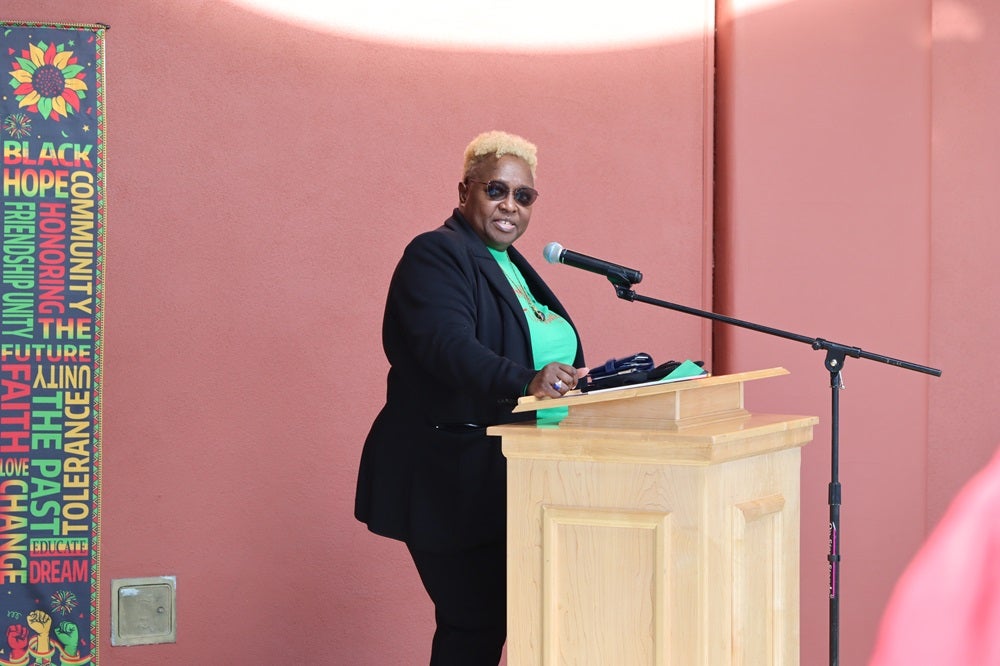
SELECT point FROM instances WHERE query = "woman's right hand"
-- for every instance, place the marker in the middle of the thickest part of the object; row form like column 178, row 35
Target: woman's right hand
column 555, row 380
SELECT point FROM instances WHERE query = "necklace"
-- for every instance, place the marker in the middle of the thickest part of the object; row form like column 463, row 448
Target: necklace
column 522, row 291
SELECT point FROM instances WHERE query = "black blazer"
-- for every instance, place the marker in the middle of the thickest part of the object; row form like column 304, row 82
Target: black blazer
column 460, row 355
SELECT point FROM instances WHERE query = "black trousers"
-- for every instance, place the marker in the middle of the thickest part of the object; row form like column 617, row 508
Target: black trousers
column 469, row 591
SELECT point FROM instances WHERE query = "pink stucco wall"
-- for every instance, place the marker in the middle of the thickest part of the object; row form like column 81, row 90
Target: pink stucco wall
column 264, row 177
column 964, row 279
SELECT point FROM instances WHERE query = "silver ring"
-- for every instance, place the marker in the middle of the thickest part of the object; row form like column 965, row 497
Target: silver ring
column 558, row 386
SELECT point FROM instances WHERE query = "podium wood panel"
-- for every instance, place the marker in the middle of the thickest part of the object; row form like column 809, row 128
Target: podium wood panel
column 651, row 546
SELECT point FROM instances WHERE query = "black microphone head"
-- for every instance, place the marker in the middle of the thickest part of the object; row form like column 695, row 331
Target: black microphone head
column 553, row 252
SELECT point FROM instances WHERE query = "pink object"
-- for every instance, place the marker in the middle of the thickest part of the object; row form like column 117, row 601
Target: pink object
column 946, row 606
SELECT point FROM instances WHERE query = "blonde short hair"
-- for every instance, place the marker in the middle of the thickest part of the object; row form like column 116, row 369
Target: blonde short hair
column 496, row 144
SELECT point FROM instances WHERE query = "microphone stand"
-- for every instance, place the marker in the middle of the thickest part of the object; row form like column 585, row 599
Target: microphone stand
column 836, row 354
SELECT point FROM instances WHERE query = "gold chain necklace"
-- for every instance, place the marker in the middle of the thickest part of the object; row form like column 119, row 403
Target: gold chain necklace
column 521, row 290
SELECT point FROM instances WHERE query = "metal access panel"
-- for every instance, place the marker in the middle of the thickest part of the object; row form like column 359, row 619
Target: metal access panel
column 144, row 610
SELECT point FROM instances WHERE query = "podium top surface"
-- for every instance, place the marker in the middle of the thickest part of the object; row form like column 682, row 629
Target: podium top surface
column 574, row 398
column 697, row 421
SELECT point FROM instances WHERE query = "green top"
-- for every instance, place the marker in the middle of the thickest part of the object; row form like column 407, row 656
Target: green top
column 552, row 337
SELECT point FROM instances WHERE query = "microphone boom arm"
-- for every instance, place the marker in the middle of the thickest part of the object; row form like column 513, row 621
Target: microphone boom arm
column 836, row 352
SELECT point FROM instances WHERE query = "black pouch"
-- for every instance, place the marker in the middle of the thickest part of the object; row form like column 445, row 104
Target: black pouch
column 641, row 362
column 634, row 369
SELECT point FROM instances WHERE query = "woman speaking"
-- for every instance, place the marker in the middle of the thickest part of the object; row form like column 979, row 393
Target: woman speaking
column 468, row 328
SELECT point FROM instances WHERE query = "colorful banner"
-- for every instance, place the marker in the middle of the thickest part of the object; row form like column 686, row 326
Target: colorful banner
column 51, row 323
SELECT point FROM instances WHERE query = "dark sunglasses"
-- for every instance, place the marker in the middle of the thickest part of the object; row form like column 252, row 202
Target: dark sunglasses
column 498, row 190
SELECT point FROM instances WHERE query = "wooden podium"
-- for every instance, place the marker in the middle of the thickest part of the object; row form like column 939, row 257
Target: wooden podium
column 654, row 525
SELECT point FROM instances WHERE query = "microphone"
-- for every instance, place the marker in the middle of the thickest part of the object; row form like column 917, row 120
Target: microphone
column 555, row 253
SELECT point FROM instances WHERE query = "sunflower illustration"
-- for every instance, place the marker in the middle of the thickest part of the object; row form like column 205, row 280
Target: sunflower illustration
column 47, row 80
